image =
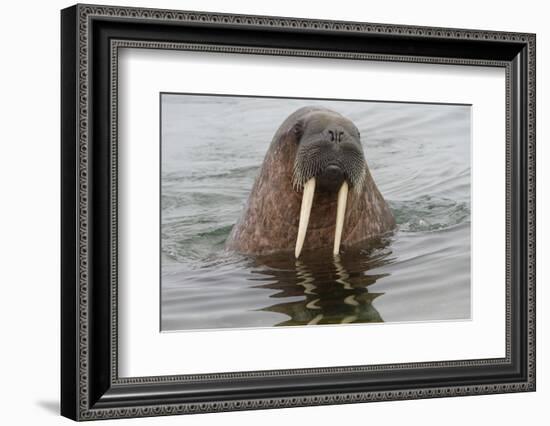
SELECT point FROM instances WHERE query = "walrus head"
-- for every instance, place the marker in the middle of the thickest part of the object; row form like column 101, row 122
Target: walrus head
column 314, row 179
column 330, row 157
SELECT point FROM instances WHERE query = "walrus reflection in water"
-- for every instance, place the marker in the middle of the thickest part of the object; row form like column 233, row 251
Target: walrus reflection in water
column 314, row 190
column 321, row 289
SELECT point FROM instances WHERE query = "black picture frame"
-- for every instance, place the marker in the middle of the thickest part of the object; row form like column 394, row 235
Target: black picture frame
column 90, row 386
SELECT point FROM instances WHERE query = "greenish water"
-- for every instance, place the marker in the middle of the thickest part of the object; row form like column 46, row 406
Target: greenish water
column 419, row 156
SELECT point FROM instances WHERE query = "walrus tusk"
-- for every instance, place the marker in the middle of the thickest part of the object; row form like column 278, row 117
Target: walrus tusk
column 340, row 215
column 305, row 210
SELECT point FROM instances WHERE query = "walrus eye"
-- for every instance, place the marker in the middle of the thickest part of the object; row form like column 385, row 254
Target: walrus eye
column 298, row 130
column 331, row 133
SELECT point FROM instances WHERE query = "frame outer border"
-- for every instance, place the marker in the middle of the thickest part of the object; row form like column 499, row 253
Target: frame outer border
column 84, row 12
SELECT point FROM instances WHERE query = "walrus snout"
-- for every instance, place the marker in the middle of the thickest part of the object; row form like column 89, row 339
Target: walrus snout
column 331, row 178
column 329, row 150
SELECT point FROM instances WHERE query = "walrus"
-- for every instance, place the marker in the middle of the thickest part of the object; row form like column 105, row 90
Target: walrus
column 313, row 190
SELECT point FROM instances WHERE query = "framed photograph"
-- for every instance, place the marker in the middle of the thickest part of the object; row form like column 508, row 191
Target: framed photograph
column 263, row 212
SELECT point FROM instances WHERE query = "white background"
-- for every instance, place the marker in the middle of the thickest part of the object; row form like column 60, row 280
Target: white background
column 146, row 352
column 29, row 225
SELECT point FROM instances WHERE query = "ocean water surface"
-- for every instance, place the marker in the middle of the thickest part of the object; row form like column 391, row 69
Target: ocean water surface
column 419, row 156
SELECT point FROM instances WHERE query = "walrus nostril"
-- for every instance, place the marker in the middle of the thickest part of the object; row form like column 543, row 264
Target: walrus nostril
column 336, row 134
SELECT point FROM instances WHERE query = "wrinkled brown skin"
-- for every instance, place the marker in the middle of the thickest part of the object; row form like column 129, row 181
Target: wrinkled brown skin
column 269, row 222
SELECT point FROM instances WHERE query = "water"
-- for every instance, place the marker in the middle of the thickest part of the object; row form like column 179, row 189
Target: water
column 419, row 156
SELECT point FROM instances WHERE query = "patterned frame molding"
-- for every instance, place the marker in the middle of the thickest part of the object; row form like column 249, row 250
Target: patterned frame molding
column 83, row 401
column 116, row 45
